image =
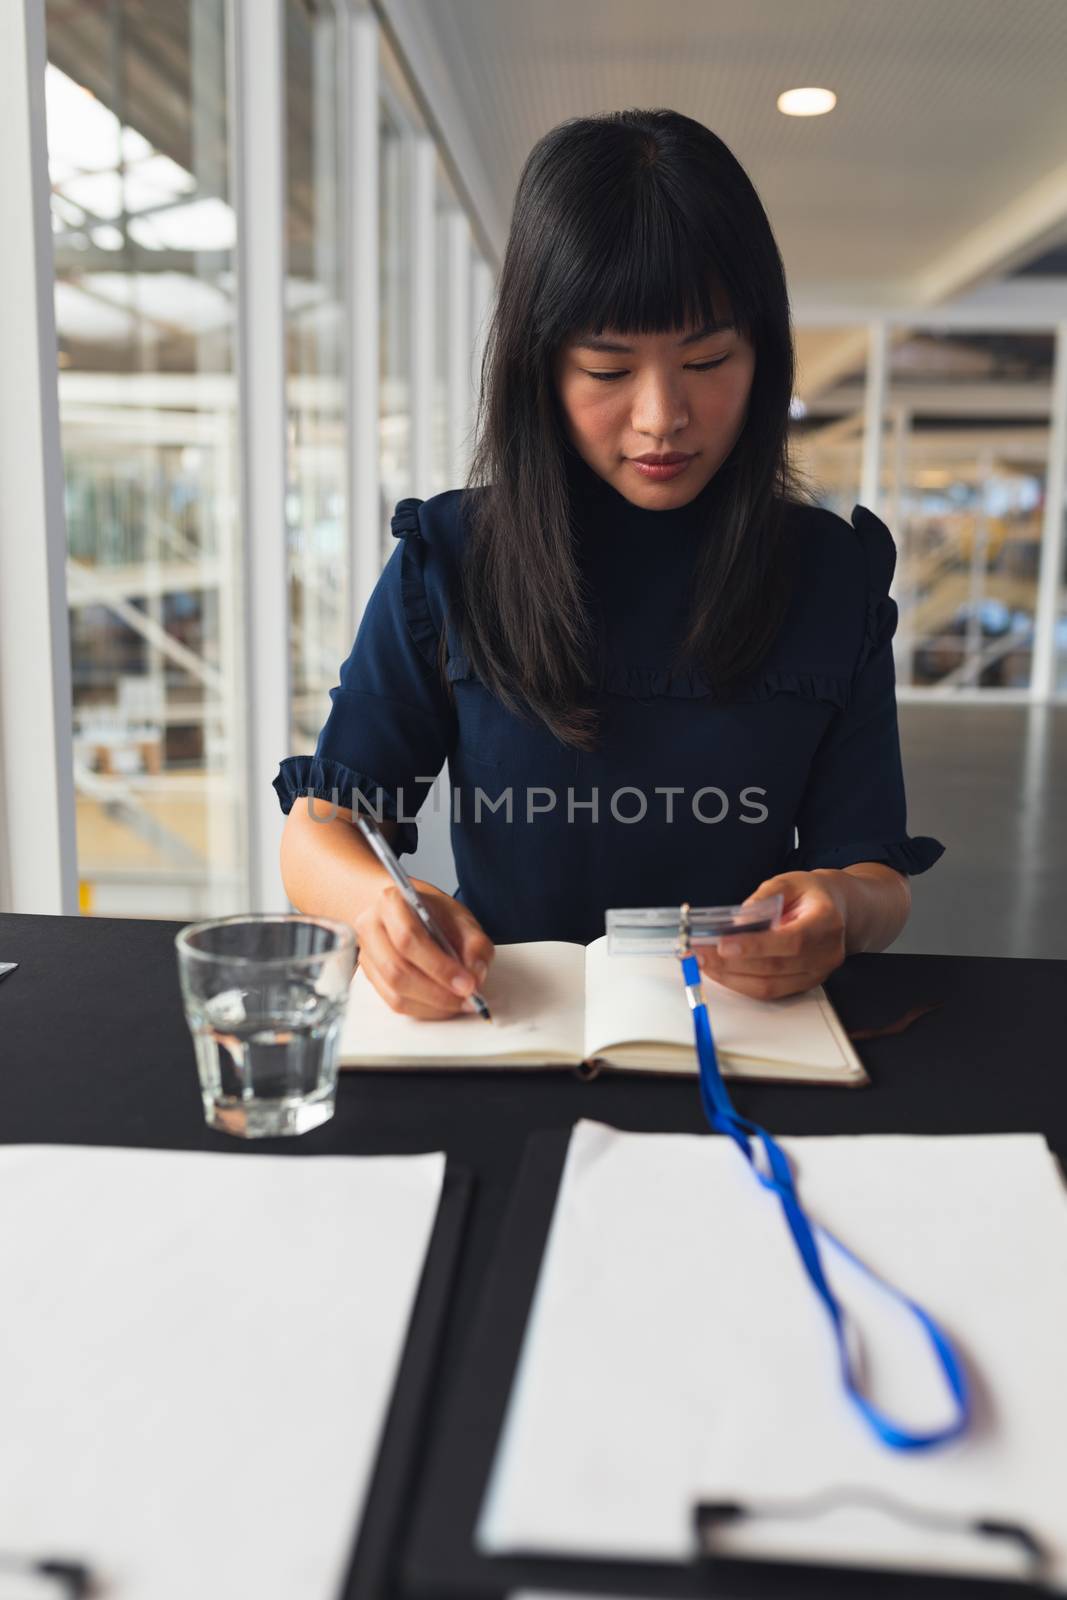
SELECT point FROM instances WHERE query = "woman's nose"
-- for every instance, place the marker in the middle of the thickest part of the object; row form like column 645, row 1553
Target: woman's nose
column 659, row 409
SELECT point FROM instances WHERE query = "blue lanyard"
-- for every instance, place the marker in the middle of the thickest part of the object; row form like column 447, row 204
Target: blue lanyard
column 724, row 1118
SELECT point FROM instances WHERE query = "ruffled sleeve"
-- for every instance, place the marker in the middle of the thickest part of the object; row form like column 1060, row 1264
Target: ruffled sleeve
column 854, row 807
column 391, row 722
column 418, row 618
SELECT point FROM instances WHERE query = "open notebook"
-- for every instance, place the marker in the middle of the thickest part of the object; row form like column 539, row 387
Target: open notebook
column 557, row 1004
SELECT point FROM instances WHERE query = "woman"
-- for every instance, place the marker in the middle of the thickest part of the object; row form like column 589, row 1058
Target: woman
column 652, row 683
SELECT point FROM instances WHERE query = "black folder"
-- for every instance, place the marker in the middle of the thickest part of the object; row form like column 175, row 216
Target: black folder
column 381, row 1525
column 441, row 1561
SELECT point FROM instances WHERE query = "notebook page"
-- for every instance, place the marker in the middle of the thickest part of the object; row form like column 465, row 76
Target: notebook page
column 676, row 1352
column 535, row 992
column 643, row 997
column 198, row 1354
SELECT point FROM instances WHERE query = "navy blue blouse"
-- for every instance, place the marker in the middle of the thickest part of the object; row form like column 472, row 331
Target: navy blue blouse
column 691, row 795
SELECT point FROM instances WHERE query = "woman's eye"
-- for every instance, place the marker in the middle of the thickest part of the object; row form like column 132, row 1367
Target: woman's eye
column 611, row 377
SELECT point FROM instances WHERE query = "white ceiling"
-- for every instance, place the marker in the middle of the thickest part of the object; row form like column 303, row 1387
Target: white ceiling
column 943, row 166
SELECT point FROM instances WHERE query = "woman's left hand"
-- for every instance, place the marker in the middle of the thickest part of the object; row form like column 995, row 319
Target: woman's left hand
column 805, row 947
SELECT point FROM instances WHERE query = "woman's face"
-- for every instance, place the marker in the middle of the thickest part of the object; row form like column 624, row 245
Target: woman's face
column 653, row 395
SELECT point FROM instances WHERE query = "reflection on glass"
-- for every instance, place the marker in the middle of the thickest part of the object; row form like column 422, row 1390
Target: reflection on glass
column 144, row 235
column 395, row 290
column 964, row 472
column 314, row 311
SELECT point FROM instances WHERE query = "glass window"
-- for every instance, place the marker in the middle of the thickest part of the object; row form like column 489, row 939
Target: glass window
column 826, row 428
column 319, row 566
column 965, row 468
column 144, row 298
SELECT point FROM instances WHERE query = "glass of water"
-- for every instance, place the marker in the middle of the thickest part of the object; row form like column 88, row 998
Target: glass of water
column 265, row 999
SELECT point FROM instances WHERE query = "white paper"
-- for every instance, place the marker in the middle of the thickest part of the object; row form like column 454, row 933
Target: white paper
column 196, row 1356
column 676, row 1352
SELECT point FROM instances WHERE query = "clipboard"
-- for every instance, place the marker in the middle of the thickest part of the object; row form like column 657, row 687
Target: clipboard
column 375, row 1553
column 441, row 1561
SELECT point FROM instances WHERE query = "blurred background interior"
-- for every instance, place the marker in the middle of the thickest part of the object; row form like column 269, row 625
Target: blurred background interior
column 275, row 227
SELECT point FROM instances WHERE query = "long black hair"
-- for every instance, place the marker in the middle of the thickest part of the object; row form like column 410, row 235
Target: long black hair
column 631, row 220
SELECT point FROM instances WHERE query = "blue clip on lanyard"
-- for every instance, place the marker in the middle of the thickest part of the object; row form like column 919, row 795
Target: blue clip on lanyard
column 724, row 1118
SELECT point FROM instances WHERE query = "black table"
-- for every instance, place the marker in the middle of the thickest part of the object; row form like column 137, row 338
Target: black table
column 95, row 1050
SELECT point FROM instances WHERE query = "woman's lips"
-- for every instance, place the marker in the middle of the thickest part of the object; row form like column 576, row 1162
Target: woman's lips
column 648, row 469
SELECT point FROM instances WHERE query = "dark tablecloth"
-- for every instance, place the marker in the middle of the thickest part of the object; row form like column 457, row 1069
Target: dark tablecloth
column 94, row 1050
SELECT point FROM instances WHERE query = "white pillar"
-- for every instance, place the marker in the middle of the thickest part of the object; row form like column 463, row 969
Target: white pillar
column 325, row 387
column 361, row 265
column 481, row 310
column 257, row 103
column 423, row 261
column 458, row 236
column 1046, row 611
column 38, row 856
column 224, row 721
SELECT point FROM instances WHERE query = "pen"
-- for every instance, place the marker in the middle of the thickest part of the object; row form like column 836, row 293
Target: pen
column 380, row 845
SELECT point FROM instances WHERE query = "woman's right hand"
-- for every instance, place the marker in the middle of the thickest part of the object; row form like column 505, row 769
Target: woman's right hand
column 412, row 973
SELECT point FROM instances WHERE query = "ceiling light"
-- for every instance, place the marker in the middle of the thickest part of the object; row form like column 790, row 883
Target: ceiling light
column 807, row 102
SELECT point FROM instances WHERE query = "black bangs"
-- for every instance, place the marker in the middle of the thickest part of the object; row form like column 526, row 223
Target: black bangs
column 676, row 285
